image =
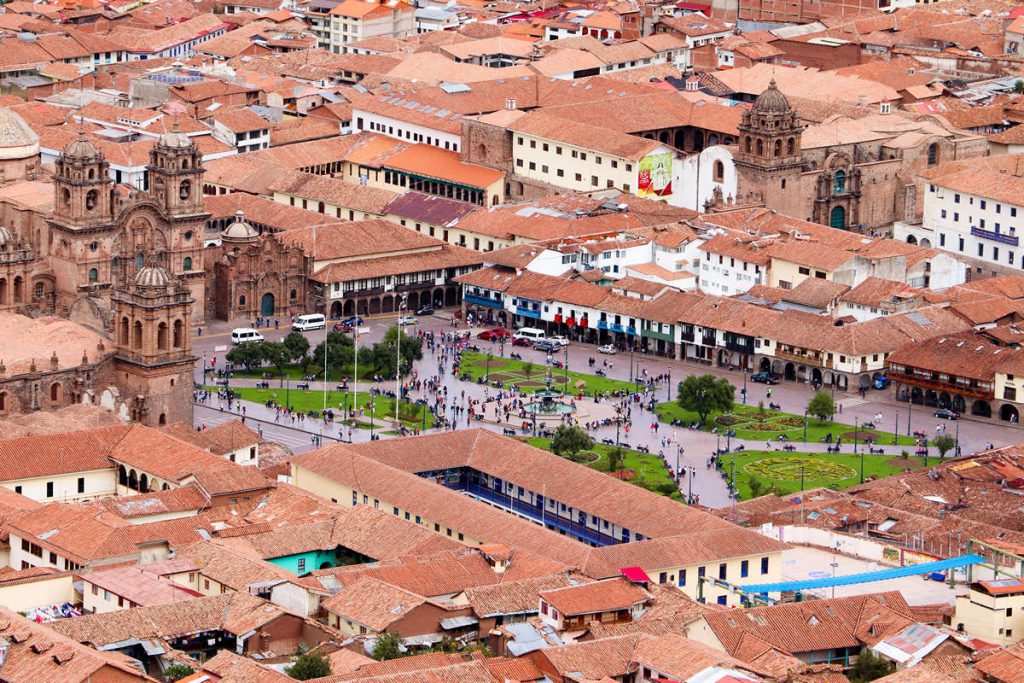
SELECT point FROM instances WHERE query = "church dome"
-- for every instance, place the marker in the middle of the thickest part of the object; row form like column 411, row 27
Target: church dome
column 175, row 139
column 6, row 237
column 17, row 139
column 239, row 230
column 152, row 276
column 82, row 149
column 772, row 100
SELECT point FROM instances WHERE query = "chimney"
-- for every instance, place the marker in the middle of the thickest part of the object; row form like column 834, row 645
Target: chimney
column 510, row 103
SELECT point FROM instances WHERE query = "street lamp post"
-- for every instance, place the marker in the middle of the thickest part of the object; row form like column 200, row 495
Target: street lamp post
column 805, row 425
column 692, row 472
column 487, row 372
column 565, row 370
column 398, row 361
column 855, row 428
column 910, row 404
column 956, row 447
column 668, row 389
column 896, row 433
column 355, row 372
column 801, row 477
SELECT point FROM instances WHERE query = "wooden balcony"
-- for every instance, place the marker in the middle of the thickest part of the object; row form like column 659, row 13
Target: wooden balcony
column 797, row 358
column 973, row 390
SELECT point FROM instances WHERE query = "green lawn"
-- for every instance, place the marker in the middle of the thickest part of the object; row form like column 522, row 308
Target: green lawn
column 749, row 425
column 295, row 373
column 650, row 473
column 512, row 371
column 780, row 472
column 412, row 414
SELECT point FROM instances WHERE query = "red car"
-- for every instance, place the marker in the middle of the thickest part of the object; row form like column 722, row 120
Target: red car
column 496, row 334
column 522, row 341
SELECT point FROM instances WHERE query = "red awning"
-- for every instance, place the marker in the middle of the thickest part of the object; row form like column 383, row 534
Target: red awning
column 636, row 574
column 570, row 321
column 583, row 322
column 558, row 317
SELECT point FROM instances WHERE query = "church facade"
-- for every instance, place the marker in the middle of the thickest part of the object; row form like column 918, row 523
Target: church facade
column 127, row 264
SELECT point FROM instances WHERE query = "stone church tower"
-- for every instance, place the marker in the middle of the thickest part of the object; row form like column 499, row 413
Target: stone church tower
column 154, row 346
column 769, row 161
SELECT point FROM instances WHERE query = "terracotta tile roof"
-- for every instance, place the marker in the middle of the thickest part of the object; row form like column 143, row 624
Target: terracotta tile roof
column 62, row 453
column 262, row 211
column 681, row 658
column 229, row 667
column 372, row 603
column 139, row 587
column 875, row 291
column 184, row 499
column 999, row 178
column 443, row 506
column 814, row 625
column 585, row 489
column 947, row 669
column 334, row 191
column 1006, row 665
column 430, row 576
column 36, row 654
column 429, row 209
column 643, row 112
column 816, row 292
column 697, row 547
column 968, row 356
column 548, row 127
column 440, row 258
column 86, row 533
column 432, row 162
column 405, row 665
column 236, row 613
column 233, row 566
column 221, row 439
column 594, row 660
column 594, row 598
column 241, row 120
column 515, row 597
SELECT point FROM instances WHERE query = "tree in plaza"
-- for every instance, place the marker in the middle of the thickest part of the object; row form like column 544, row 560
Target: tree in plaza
column 570, row 440
column 821, row 406
column 527, row 370
column 340, row 352
column 755, row 487
column 383, row 353
column 248, row 355
column 278, row 355
column 387, row 646
column 309, row 665
column 704, row 394
column 943, row 443
column 297, row 344
column 616, row 456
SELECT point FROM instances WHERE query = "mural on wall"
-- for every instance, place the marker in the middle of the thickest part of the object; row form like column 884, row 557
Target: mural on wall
column 654, row 178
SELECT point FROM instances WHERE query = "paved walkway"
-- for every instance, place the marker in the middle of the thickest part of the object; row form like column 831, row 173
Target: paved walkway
column 697, row 446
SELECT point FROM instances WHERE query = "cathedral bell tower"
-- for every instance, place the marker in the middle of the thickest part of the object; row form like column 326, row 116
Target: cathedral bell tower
column 154, row 346
column 83, row 189
column 769, row 160
column 176, row 186
column 176, row 174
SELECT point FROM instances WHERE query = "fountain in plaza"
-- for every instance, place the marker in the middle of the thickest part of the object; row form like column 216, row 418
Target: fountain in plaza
column 548, row 403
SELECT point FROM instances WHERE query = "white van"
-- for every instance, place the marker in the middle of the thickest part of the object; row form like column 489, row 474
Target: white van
column 312, row 321
column 530, row 333
column 241, row 335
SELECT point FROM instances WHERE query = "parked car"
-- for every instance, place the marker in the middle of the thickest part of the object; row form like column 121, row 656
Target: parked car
column 764, row 378
column 560, row 340
column 352, row 321
column 546, row 345
column 407, row 320
column 882, row 382
column 521, row 341
column 425, row 310
column 947, row 414
column 342, row 327
column 496, row 334
column 608, row 349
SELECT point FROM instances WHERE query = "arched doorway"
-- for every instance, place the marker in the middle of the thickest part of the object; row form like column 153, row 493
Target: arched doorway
column 917, row 395
column 837, row 217
column 911, row 239
column 122, row 475
column 267, row 304
column 336, row 310
column 144, row 483
column 790, row 372
column 412, row 301
column 777, row 367
column 931, row 398
column 959, row 404
column 816, row 376
column 133, row 480
column 1008, row 413
column 451, row 297
column 374, row 307
column 438, row 298
column 765, row 365
column 349, row 308
column 981, row 408
column 388, row 304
